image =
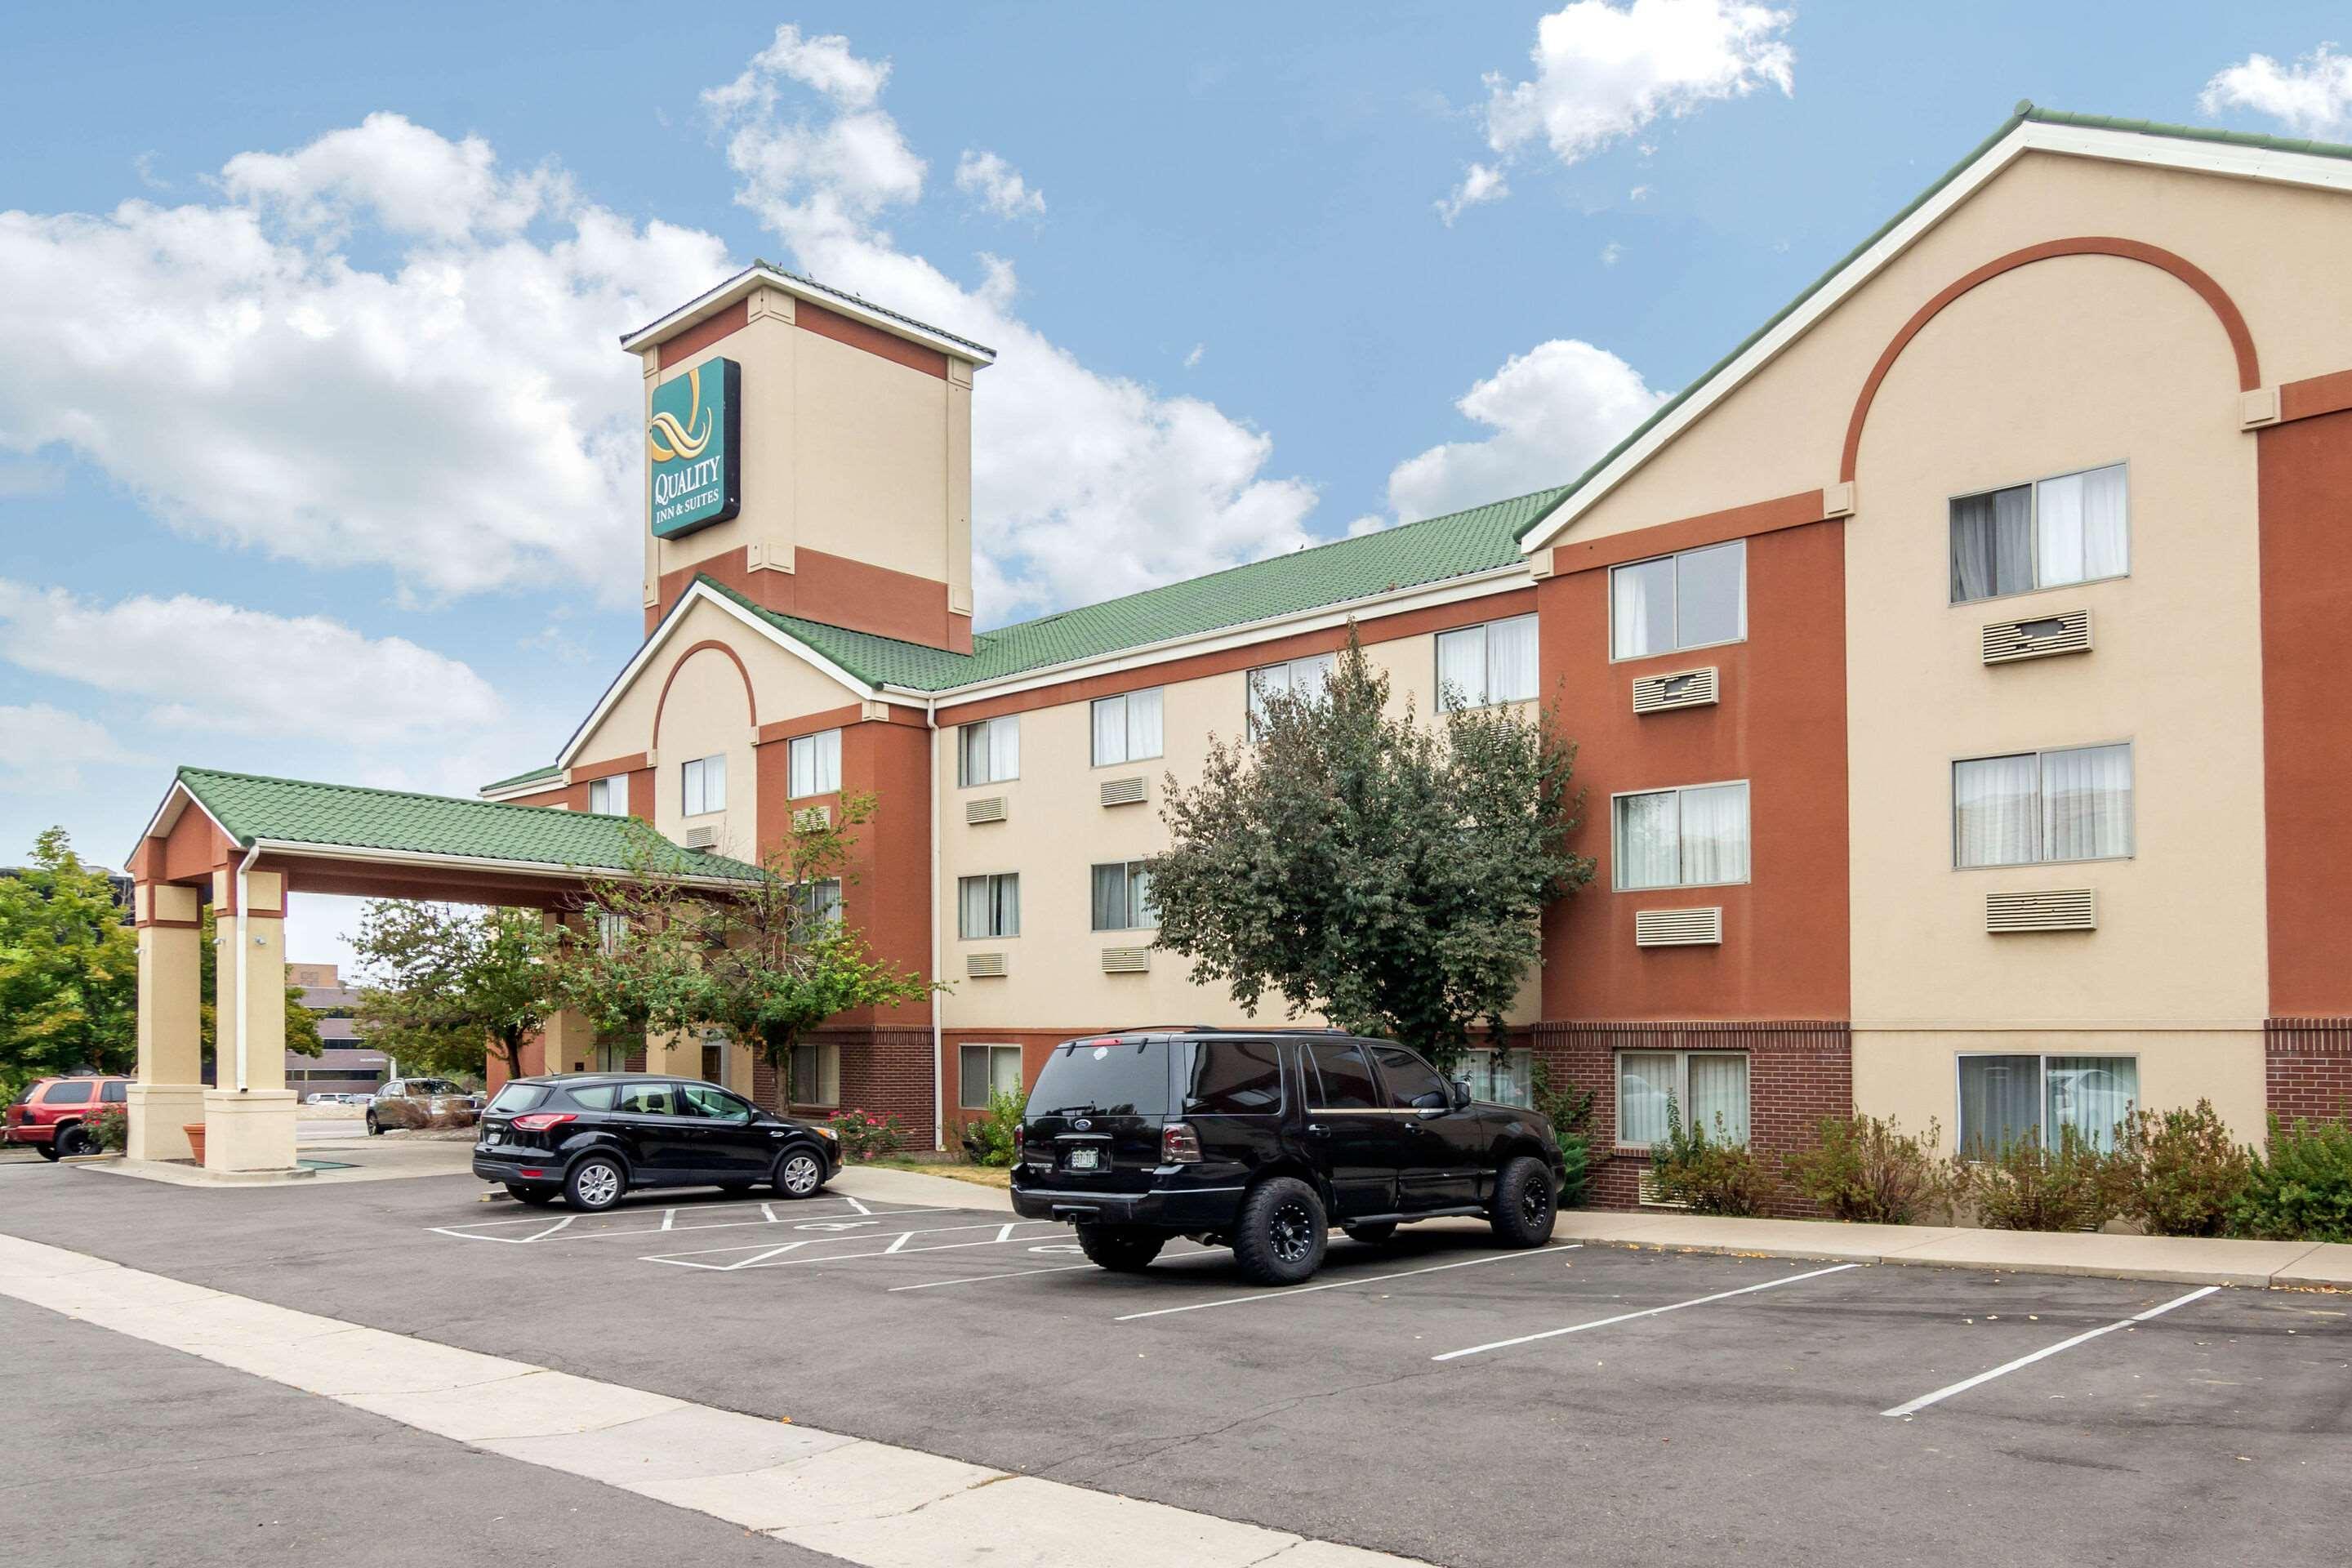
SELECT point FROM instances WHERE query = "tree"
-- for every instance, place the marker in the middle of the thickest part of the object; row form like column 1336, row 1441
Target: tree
column 767, row 961
column 1387, row 874
column 68, row 969
column 301, row 1028
column 453, row 984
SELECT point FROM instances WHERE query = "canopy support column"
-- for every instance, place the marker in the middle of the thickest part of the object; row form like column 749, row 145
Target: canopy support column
column 249, row 1125
column 169, row 1094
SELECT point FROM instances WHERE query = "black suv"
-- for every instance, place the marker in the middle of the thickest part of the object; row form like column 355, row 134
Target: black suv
column 1258, row 1140
column 588, row 1138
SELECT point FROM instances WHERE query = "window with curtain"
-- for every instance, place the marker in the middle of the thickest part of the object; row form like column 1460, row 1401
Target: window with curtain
column 988, row 906
column 822, row 899
column 2033, row 807
column 988, row 752
column 816, row 1074
column 1298, row 677
column 2074, row 528
column 703, row 782
column 2007, row 1098
column 609, row 797
column 813, row 764
column 1122, row 897
column 1499, row 1077
column 1695, row 599
column 1127, row 727
column 1481, row 665
column 1707, row 1088
column 985, row 1069
column 1694, row 837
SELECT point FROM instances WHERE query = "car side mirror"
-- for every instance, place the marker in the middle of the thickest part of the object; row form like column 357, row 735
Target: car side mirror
column 1461, row 1095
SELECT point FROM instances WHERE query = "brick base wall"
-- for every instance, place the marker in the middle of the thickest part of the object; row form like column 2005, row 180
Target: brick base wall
column 1798, row 1072
column 885, row 1072
column 2308, row 1068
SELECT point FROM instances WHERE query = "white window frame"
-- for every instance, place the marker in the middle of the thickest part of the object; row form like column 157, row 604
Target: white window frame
column 2042, row 829
column 995, row 904
column 1130, row 870
column 1677, row 645
column 1127, row 727
column 821, row 753
column 1509, row 1057
column 995, row 1053
column 1681, row 1089
column 964, row 779
column 815, row 897
column 1484, row 697
column 602, row 791
column 1616, row 847
column 694, row 781
column 1325, row 664
column 828, row 1074
column 2040, row 1088
column 2033, row 532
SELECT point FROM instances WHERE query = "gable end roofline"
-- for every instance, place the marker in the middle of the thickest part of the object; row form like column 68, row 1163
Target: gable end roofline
column 2030, row 129
column 767, row 273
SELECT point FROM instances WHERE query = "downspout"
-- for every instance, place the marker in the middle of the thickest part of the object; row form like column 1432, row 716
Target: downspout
column 938, row 1036
column 243, row 961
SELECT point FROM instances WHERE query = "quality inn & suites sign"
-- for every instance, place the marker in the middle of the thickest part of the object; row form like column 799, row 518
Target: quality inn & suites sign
column 693, row 449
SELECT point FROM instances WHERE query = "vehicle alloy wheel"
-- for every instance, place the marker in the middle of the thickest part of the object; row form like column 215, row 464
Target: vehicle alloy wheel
column 595, row 1184
column 77, row 1140
column 375, row 1128
column 1281, row 1235
column 799, row 1175
column 1525, row 1206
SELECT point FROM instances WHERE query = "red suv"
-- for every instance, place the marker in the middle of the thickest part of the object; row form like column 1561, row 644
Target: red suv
column 49, row 1114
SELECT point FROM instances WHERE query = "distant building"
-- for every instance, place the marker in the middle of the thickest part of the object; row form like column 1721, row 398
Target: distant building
column 345, row 1066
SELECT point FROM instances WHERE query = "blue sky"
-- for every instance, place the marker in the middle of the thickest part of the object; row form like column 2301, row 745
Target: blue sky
column 332, row 412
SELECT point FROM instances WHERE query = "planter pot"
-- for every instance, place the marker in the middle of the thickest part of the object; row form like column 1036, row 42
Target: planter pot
column 195, row 1131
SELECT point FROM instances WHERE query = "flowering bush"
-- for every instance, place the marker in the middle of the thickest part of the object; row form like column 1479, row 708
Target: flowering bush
column 110, row 1127
column 866, row 1136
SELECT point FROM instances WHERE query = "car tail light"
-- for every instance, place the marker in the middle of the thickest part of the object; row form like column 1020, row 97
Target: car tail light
column 1179, row 1144
column 1020, row 1141
column 541, row 1121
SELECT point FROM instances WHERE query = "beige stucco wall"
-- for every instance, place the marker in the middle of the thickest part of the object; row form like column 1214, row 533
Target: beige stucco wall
column 784, row 685
column 707, row 713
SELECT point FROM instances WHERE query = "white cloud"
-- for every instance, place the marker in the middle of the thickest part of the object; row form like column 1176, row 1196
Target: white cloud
column 1611, row 253
column 43, row 750
column 1480, row 183
column 2312, row 97
column 1084, row 485
column 201, row 664
column 998, row 185
column 458, row 412
column 1193, row 360
column 1552, row 411
column 1604, row 71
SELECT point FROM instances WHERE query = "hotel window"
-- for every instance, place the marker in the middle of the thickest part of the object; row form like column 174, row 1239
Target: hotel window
column 2035, row 807
column 820, row 898
column 612, row 930
column 983, row 1070
column 988, row 906
column 1503, row 1077
column 1479, row 666
column 2075, row 528
column 705, row 782
column 2005, row 1100
column 1127, row 727
column 1694, row 837
column 609, row 797
column 1708, row 1089
column 813, row 764
column 1695, row 599
column 1298, row 677
column 988, row 752
column 816, row 1074
column 1122, row 897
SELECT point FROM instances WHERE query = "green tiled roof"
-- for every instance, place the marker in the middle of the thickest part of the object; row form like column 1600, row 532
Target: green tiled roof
column 1411, row 555
column 547, row 771
column 347, row 816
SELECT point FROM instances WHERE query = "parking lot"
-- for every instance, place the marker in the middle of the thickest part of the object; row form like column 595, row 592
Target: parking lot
column 1435, row 1396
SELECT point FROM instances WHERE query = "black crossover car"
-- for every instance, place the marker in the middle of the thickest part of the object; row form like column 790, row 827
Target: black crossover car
column 1259, row 1141
column 590, row 1137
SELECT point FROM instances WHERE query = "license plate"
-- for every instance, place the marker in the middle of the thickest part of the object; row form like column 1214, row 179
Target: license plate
column 1085, row 1159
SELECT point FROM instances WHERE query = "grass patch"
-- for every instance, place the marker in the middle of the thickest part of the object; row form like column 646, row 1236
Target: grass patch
column 978, row 1176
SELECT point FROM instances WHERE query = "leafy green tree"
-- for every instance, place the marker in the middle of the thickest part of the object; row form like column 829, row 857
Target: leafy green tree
column 453, row 984
column 1389, row 874
column 301, row 1028
column 767, row 962
column 68, row 969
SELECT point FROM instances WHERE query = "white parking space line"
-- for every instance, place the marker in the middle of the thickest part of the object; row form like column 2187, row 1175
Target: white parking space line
column 1342, row 1284
column 797, row 1214
column 1966, row 1384
column 853, row 1202
column 773, row 1257
column 1645, row 1313
column 983, row 1279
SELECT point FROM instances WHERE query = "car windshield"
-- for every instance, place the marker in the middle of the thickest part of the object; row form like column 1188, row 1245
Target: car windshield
column 1103, row 1078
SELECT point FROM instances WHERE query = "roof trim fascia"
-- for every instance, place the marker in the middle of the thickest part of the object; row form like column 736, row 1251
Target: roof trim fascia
column 754, row 277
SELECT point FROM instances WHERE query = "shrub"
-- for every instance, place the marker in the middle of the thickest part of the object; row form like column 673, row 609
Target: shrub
column 1570, row 1111
column 989, row 1140
column 1867, row 1168
column 2179, row 1173
column 1713, row 1175
column 422, row 1115
column 1576, row 1171
column 2301, row 1190
column 111, row 1127
column 2024, row 1187
column 866, row 1136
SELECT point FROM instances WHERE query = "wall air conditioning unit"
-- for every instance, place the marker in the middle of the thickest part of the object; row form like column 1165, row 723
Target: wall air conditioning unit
column 1127, row 960
column 2053, row 908
column 2006, row 642
column 1125, row 791
column 701, row 837
column 988, row 808
column 984, row 966
column 1678, row 927
column 1650, row 1196
column 1682, row 689
column 811, row 818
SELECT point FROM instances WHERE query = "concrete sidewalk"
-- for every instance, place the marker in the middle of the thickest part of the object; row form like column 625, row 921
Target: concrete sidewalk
column 2187, row 1260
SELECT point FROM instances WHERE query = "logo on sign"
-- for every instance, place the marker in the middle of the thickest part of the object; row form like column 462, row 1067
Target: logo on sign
column 692, row 448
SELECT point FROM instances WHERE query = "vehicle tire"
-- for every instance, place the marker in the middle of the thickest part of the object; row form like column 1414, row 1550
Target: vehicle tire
column 1280, row 1236
column 800, row 1173
column 595, row 1184
column 49, row 1149
column 375, row 1128
column 537, row 1198
column 73, row 1141
column 1121, row 1248
column 1524, row 1205
column 1371, row 1234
